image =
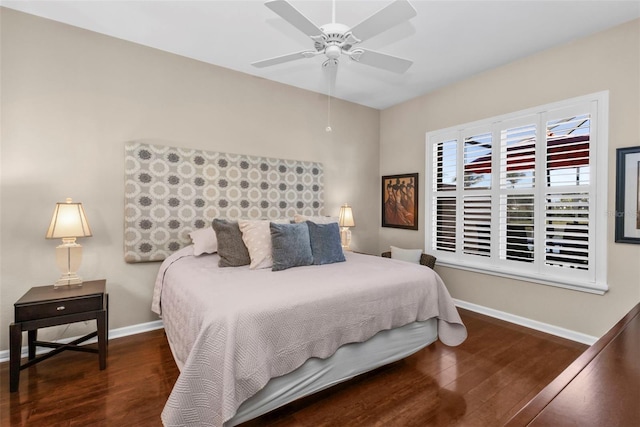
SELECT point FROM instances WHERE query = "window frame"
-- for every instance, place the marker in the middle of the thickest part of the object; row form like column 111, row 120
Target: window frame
column 595, row 278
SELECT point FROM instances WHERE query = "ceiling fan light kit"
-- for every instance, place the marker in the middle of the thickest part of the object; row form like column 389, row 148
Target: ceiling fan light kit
column 335, row 39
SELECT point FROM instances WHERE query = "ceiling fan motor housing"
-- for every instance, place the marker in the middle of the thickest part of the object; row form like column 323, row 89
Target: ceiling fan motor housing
column 335, row 37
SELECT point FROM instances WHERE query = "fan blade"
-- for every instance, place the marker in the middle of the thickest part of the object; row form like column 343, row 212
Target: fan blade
column 387, row 17
column 293, row 17
column 380, row 60
column 284, row 58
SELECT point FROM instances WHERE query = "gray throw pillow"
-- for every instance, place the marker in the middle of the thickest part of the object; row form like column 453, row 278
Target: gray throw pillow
column 290, row 246
column 326, row 246
column 231, row 248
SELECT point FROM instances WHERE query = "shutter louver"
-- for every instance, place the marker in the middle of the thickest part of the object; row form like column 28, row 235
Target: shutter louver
column 517, row 230
column 445, row 224
column 444, row 165
column 568, row 151
column 477, row 225
column 477, row 162
column 518, row 157
column 567, row 230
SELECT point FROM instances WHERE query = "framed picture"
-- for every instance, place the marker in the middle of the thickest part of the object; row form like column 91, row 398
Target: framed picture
column 628, row 195
column 400, row 201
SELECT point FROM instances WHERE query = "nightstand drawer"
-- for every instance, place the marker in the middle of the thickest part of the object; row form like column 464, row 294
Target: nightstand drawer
column 60, row 307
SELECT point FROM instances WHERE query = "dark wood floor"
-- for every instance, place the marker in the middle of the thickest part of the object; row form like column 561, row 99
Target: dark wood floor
column 482, row 382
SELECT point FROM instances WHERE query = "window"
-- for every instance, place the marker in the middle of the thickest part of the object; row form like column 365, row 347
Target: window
column 518, row 195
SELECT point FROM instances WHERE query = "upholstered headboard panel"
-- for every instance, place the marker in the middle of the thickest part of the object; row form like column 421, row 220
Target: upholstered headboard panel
column 170, row 191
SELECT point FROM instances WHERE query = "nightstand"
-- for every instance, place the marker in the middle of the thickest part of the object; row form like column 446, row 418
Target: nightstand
column 45, row 306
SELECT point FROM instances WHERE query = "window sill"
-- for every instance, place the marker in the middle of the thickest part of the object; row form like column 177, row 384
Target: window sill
column 592, row 288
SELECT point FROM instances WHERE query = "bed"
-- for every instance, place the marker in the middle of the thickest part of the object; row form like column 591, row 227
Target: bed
column 248, row 341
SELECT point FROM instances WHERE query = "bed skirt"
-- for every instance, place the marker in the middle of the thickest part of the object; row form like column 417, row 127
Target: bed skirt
column 347, row 362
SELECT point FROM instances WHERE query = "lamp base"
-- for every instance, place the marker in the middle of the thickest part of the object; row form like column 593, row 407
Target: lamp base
column 68, row 279
column 345, row 238
column 68, row 258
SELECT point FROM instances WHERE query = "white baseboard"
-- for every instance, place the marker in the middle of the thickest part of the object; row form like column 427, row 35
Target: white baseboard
column 113, row 333
column 135, row 329
column 522, row 321
column 529, row 323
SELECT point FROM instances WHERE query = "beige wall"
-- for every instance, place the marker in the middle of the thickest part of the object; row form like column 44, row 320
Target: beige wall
column 606, row 61
column 71, row 98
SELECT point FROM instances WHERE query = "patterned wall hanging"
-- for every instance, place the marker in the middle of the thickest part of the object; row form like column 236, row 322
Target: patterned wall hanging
column 170, row 192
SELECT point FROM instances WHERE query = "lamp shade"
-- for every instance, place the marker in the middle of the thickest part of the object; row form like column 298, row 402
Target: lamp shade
column 345, row 219
column 68, row 220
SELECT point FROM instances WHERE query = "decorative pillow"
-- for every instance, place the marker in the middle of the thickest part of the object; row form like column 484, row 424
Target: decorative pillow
column 410, row 255
column 256, row 236
column 231, row 248
column 291, row 246
column 317, row 219
column 204, row 241
column 326, row 246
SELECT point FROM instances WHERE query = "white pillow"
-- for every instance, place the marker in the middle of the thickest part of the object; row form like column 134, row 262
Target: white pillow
column 256, row 236
column 317, row 219
column 204, row 241
column 410, row 255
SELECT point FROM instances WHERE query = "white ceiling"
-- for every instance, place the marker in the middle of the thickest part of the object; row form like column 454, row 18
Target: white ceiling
column 448, row 40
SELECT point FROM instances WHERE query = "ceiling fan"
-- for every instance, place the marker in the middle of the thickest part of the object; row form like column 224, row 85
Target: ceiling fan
column 334, row 40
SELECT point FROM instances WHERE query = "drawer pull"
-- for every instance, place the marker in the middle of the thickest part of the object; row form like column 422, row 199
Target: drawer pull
column 62, row 307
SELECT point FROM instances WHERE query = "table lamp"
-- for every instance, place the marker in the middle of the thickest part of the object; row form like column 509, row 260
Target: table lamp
column 68, row 223
column 345, row 220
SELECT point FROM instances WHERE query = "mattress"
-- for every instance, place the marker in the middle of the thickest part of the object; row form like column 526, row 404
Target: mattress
column 233, row 330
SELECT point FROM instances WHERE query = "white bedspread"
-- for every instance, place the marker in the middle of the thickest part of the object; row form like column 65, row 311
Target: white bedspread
column 232, row 329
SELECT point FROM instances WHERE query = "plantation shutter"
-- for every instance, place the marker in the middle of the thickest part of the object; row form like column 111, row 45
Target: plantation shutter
column 445, row 203
column 477, row 225
column 477, row 172
column 567, row 204
column 518, row 143
column 516, row 195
